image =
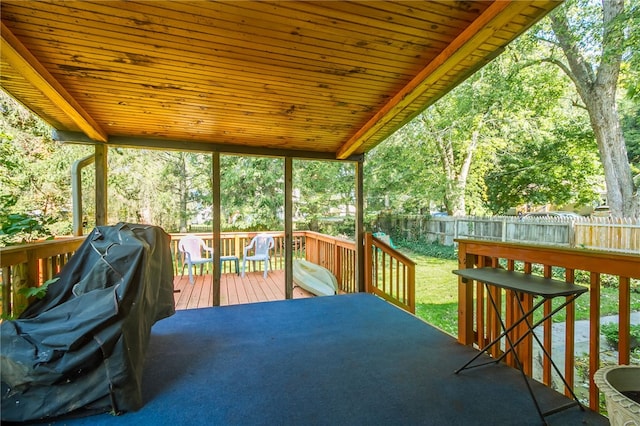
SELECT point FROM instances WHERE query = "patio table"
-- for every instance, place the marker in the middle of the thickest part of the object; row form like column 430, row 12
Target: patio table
column 233, row 259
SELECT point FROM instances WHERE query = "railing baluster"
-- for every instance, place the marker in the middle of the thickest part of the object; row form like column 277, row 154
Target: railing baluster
column 569, row 340
column 624, row 320
column 547, row 308
column 594, row 338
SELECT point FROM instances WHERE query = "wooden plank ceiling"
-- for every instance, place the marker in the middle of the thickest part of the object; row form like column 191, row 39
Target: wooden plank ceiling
column 331, row 78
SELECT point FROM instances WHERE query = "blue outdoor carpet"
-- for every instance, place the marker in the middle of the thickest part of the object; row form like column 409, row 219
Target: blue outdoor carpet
column 338, row 360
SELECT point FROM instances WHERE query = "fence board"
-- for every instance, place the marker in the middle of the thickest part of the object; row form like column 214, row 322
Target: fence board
column 620, row 235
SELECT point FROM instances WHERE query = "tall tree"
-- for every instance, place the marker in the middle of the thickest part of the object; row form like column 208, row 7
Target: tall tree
column 323, row 189
column 593, row 39
column 403, row 175
column 34, row 170
column 252, row 192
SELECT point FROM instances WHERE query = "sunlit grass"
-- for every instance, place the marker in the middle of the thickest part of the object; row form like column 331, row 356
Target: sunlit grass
column 436, row 291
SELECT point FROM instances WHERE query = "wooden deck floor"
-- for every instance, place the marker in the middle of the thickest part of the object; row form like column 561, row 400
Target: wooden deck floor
column 234, row 289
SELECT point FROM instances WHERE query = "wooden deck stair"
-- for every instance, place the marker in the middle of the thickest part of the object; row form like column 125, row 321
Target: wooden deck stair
column 234, row 289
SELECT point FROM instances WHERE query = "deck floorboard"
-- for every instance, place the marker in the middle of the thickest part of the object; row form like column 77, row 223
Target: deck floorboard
column 234, row 289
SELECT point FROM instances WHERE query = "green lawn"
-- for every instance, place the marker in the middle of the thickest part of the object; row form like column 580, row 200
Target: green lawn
column 437, row 294
column 436, row 291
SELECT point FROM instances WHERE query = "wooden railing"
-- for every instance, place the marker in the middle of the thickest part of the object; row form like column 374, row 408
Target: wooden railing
column 31, row 265
column 337, row 255
column 389, row 274
column 233, row 243
column 478, row 324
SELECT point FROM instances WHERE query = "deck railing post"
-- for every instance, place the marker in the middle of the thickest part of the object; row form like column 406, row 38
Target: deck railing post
column 6, row 291
column 19, row 280
column 465, row 299
column 594, row 339
column 624, row 320
column 368, row 258
column 411, row 277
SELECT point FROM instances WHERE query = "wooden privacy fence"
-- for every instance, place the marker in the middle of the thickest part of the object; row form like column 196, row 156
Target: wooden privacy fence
column 622, row 235
column 30, row 265
column 478, row 324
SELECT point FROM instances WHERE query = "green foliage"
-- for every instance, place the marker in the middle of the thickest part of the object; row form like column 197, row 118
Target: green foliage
column 252, row 193
column 403, row 175
column 517, row 130
column 324, row 197
column 557, row 165
column 612, row 334
column 630, row 72
column 38, row 292
column 431, row 249
column 34, row 176
column 20, row 228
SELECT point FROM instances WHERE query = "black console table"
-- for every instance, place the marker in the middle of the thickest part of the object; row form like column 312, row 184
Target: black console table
column 546, row 289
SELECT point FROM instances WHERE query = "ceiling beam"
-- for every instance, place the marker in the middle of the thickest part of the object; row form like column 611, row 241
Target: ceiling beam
column 181, row 145
column 492, row 20
column 23, row 61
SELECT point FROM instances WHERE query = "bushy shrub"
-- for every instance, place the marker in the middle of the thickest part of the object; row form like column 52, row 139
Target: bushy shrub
column 432, row 249
column 21, row 228
column 612, row 335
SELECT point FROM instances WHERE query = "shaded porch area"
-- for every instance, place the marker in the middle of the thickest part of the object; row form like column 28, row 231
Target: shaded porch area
column 234, row 289
column 341, row 360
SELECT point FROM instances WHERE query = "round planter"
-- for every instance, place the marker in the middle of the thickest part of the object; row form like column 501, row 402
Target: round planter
column 612, row 381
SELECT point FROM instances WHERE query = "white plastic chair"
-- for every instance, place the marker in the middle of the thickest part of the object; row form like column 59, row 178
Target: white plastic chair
column 261, row 245
column 192, row 248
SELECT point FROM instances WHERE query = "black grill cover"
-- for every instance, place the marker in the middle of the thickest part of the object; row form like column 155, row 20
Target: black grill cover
column 83, row 346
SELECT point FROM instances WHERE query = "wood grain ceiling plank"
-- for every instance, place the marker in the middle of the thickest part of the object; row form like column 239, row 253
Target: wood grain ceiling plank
column 167, row 69
column 217, row 117
column 19, row 88
column 115, row 103
column 130, row 56
column 247, row 139
column 107, row 112
column 441, row 13
column 195, row 79
column 274, row 22
column 220, row 118
column 339, row 16
column 391, row 16
column 143, row 90
column 111, row 99
column 198, row 35
column 16, row 54
column 205, row 82
column 313, row 20
column 173, row 129
column 146, row 92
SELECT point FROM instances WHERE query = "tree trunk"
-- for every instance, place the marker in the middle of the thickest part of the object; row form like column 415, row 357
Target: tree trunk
column 454, row 199
column 460, row 205
column 597, row 89
column 613, row 154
